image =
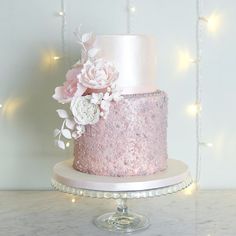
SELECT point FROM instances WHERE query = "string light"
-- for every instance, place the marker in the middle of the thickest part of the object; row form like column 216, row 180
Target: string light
column 132, row 9
column 130, row 12
column 185, row 59
column 193, row 109
column 198, row 91
column 191, row 189
column 213, row 22
column 61, row 13
column 206, row 144
column 55, row 58
column 73, row 200
column 0, row 105
column 67, row 144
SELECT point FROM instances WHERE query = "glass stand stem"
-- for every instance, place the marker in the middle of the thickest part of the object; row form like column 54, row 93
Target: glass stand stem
column 122, row 207
column 122, row 220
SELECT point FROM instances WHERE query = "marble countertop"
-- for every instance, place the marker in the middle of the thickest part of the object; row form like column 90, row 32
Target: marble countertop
column 50, row 213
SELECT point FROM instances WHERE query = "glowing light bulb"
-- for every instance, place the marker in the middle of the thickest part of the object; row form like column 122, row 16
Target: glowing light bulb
column 184, row 60
column 73, row 200
column 206, row 144
column 11, row 106
column 132, row 9
column 67, row 144
column 61, row 13
column 55, row 58
column 213, row 22
column 0, row 105
column 190, row 190
column 193, row 109
column 209, row 144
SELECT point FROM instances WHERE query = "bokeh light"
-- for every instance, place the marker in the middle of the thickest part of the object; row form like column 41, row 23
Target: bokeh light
column 11, row 106
column 191, row 189
column 193, row 109
column 184, row 60
column 214, row 22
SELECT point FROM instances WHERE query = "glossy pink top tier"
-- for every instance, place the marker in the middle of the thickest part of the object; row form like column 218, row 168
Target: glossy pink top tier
column 135, row 58
column 131, row 141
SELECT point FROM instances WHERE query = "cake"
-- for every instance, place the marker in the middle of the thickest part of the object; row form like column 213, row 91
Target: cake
column 119, row 116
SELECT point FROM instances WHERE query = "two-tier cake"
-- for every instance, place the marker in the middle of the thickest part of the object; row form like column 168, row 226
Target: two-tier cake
column 117, row 132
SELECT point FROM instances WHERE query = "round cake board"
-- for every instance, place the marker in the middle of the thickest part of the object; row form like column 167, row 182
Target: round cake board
column 65, row 174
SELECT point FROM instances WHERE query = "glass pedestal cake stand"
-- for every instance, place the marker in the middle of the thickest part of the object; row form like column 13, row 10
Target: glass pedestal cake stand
column 175, row 178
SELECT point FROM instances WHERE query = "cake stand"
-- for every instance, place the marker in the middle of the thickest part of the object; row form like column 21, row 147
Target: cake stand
column 175, row 178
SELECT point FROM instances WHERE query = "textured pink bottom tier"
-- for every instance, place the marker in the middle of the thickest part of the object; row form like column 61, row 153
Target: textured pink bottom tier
column 131, row 141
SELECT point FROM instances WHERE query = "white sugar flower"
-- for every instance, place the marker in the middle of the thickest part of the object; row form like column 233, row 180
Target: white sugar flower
column 117, row 97
column 107, row 97
column 105, row 105
column 105, row 114
column 96, row 98
column 116, row 93
column 84, row 111
column 79, row 130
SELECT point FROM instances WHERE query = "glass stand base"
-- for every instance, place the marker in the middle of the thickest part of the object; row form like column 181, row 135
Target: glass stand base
column 122, row 220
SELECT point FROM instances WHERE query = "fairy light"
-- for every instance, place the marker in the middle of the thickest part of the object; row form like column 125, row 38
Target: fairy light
column 193, row 109
column 131, row 9
column 63, row 26
column 0, row 105
column 51, row 58
column 209, row 144
column 185, row 59
column 67, row 144
column 11, row 106
column 191, row 189
column 55, row 58
column 213, row 22
column 73, row 200
column 206, row 144
column 198, row 91
column 61, row 13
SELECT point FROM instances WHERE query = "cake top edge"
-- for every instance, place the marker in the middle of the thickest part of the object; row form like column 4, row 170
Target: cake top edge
column 125, row 35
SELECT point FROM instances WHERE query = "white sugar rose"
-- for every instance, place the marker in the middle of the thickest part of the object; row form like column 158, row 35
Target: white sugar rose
column 98, row 74
column 84, row 111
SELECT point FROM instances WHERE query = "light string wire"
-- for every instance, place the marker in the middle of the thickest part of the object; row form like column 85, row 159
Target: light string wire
column 130, row 10
column 198, row 100
column 198, row 97
column 63, row 33
column 66, row 62
column 198, row 92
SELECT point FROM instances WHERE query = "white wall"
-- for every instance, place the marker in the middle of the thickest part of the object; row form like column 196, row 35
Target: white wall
column 30, row 31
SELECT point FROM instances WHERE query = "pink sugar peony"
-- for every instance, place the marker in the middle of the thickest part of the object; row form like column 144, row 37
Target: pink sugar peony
column 98, row 74
column 65, row 93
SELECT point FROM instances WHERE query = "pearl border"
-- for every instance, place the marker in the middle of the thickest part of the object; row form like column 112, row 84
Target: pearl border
column 125, row 194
